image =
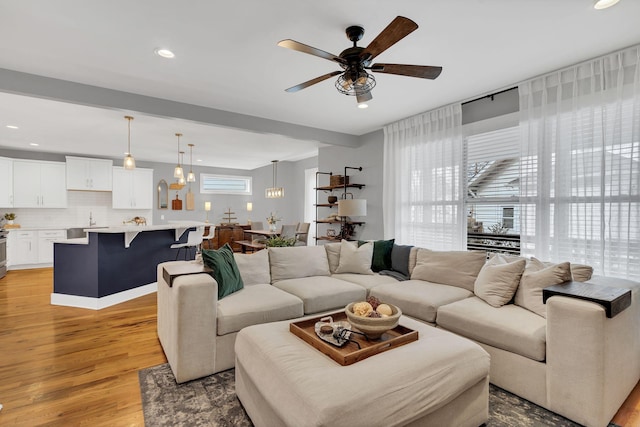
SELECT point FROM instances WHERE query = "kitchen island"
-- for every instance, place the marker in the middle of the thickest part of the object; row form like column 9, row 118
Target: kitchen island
column 113, row 264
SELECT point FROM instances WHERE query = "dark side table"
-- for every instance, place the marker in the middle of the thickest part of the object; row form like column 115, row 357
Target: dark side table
column 614, row 300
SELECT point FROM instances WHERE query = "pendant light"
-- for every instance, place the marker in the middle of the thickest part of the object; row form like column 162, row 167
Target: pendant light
column 191, row 177
column 274, row 192
column 129, row 162
column 181, row 180
column 178, row 172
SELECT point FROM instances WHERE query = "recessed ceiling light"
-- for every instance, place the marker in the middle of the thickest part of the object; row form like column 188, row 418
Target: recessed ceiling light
column 198, row 160
column 363, row 105
column 12, row 127
column 34, row 144
column 165, row 53
column 603, row 4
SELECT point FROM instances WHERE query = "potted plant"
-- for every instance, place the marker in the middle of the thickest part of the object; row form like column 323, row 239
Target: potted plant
column 279, row 242
column 9, row 217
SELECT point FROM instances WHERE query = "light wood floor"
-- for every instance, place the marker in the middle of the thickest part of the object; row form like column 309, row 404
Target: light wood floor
column 62, row 366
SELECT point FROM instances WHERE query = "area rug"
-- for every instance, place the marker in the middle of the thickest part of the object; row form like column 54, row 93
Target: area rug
column 212, row 401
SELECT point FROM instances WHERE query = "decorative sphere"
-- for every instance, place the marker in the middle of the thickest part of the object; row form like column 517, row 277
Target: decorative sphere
column 373, row 327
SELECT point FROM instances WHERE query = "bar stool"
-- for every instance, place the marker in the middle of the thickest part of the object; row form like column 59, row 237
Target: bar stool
column 194, row 239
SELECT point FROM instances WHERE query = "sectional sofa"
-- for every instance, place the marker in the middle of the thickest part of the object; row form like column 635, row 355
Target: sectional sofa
column 565, row 355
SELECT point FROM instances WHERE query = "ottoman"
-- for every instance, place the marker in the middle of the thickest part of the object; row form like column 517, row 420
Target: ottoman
column 440, row 379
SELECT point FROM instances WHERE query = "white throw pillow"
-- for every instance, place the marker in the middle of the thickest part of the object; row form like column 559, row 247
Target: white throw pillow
column 537, row 277
column 453, row 268
column 498, row 280
column 355, row 259
column 254, row 268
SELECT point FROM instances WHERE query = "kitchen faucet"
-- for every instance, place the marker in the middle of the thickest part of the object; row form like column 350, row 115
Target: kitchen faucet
column 91, row 221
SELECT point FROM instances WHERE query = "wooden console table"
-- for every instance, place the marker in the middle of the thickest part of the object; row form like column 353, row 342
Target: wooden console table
column 228, row 233
column 614, row 300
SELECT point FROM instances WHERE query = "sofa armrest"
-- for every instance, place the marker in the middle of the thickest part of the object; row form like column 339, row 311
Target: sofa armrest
column 593, row 362
column 187, row 323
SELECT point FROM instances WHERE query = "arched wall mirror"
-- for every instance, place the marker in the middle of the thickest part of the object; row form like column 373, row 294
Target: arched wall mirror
column 163, row 195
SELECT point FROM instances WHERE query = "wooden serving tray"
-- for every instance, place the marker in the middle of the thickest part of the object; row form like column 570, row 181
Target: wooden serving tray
column 349, row 353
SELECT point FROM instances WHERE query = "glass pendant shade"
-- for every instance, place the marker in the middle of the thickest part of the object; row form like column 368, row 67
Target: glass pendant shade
column 178, row 172
column 274, row 192
column 191, row 177
column 129, row 163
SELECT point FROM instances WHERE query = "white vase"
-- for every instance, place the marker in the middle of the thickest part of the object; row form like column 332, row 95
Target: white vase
column 272, row 227
column 9, row 222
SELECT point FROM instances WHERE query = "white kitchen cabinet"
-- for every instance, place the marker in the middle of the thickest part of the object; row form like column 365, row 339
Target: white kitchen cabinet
column 89, row 174
column 39, row 184
column 45, row 244
column 6, row 180
column 31, row 247
column 22, row 247
column 132, row 189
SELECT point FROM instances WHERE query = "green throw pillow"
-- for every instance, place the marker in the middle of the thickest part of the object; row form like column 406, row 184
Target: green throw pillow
column 225, row 270
column 381, row 259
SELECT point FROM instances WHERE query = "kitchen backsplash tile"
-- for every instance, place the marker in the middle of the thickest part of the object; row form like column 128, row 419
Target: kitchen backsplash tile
column 80, row 204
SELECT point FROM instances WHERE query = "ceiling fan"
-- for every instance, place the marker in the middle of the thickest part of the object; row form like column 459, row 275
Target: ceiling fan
column 355, row 61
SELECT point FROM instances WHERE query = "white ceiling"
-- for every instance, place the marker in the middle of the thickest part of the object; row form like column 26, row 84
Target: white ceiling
column 227, row 59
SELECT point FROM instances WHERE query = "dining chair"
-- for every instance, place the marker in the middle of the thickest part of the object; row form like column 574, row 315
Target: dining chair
column 302, row 234
column 208, row 237
column 289, row 231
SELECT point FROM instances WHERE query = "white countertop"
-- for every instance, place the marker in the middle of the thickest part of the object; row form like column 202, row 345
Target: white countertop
column 128, row 228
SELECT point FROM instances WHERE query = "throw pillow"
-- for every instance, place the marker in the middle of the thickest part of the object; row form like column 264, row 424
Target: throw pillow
column 381, row 259
column 498, row 280
column 537, row 277
column 355, row 260
column 454, row 268
column 579, row 272
column 225, row 269
column 298, row 261
column 400, row 259
column 254, row 268
column 333, row 255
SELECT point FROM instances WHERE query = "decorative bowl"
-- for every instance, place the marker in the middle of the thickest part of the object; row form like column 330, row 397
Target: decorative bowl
column 332, row 199
column 373, row 327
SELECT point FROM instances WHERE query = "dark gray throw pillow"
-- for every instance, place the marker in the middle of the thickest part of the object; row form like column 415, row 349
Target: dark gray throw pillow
column 400, row 259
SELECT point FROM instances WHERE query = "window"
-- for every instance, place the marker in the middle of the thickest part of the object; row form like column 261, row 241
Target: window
column 225, row 184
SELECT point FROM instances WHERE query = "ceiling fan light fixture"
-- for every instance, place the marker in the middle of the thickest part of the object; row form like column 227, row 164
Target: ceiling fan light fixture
column 603, row 4
column 363, row 105
column 363, row 83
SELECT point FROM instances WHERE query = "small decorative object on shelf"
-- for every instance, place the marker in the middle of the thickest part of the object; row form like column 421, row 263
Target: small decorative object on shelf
column 229, row 218
column 137, row 220
column 272, row 220
column 176, row 204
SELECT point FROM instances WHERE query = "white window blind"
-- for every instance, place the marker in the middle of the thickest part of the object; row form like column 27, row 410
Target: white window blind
column 225, row 184
column 493, row 180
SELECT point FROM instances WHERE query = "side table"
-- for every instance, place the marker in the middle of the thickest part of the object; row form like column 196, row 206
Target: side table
column 614, row 300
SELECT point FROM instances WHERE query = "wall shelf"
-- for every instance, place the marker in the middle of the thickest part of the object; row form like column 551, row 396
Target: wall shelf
column 318, row 205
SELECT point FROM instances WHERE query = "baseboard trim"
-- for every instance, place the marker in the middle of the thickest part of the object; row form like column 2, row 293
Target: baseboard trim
column 103, row 302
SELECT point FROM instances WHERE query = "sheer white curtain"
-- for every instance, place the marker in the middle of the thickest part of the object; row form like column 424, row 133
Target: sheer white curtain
column 580, row 179
column 423, row 194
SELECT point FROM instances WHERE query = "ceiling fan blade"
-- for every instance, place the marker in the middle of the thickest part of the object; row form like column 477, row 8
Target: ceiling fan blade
column 420, row 71
column 300, row 47
column 364, row 97
column 398, row 29
column 313, row 81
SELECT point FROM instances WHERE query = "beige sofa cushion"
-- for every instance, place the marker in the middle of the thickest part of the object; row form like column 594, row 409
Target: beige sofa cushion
column 367, row 281
column 419, row 299
column 537, row 277
column 455, row 268
column 254, row 268
column 322, row 293
column 355, row 259
column 498, row 280
column 510, row 327
column 298, row 261
column 256, row 304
